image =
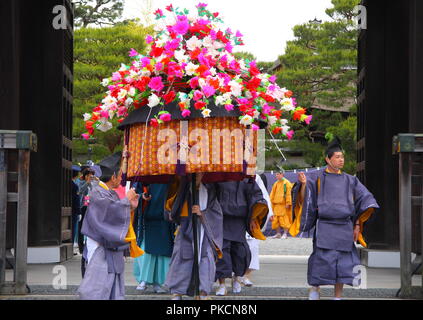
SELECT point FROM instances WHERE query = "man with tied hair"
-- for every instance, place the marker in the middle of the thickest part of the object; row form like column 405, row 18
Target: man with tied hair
column 337, row 205
column 107, row 225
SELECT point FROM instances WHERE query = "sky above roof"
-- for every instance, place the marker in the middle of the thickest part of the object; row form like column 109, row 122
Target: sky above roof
column 266, row 24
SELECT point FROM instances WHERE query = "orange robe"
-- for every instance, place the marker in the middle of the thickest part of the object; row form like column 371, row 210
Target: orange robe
column 280, row 197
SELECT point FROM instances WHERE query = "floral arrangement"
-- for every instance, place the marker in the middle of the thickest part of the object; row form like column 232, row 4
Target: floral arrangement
column 190, row 60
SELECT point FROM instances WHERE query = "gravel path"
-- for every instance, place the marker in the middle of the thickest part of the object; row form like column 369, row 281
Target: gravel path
column 289, row 246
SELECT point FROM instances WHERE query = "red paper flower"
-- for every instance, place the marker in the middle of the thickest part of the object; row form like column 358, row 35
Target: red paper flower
column 169, row 97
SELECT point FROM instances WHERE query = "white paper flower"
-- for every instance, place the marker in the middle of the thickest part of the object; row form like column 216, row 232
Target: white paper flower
column 128, row 102
column 105, row 125
column 105, row 82
column 182, row 96
column 153, row 100
column 109, row 100
column 236, row 88
column 220, row 100
column 271, row 120
column 208, row 42
column 206, row 113
column 132, row 91
column 246, row 120
column 191, row 69
column 87, row 116
column 122, row 94
column 256, row 114
column 193, row 43
column 181, row 56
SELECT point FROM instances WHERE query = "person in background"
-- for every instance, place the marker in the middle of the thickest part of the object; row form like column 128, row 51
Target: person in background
column 76, row 203
column 280, row 196
column 252, row 242
column 155, row 236
column 244, row 210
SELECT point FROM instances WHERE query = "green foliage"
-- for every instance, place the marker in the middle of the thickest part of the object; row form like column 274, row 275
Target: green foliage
column 244, row 55
column 98, row 53
column 319, row 66
column 98, row 12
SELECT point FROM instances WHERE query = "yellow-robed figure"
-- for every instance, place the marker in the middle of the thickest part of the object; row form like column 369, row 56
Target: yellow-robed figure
column 280, row 197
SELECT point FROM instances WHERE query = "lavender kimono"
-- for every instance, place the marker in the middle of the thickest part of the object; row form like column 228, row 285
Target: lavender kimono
column 210, row 238
column 106, row 224
column 332, row 204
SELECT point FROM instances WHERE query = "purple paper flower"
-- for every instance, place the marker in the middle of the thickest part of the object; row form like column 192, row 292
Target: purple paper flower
column 208, row 91
column 149, row 39
column 145, row 61
column 182, row 26
column 133, row 53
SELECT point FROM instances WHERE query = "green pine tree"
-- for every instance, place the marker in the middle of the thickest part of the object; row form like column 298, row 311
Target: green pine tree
column 98, row 53
column 319, row 66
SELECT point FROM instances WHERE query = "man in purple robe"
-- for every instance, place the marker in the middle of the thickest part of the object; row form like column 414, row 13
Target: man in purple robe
column 179, row 209
column 106, row 225
column 337, row 205
column 244, row 209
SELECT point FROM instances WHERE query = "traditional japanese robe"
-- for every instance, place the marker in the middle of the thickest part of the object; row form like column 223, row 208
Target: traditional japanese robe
column 332, row 203
column 280, row 198
column 242, row 202
column 106, row 226
column 210, row 234
column 155, row 235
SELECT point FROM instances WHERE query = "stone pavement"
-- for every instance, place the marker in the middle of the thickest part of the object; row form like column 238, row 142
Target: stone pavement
column 282, row 275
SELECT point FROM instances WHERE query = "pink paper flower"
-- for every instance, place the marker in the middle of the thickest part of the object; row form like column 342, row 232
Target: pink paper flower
column 116, row 76
column 208, row 91
column 156, row 84
column 229, row 47
column 86, row 136
column 149, row 39
column 272, row 79
column 159, row 66
column 193, row 82
column 165, row 117
column 186, row 113
column 133, row 53
column 182, row 26
column 145, row 61
column 308, row 119
column 104, row 114
column 198, row 95
column 255, row 127
column 290, row 134
column 229, row 107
